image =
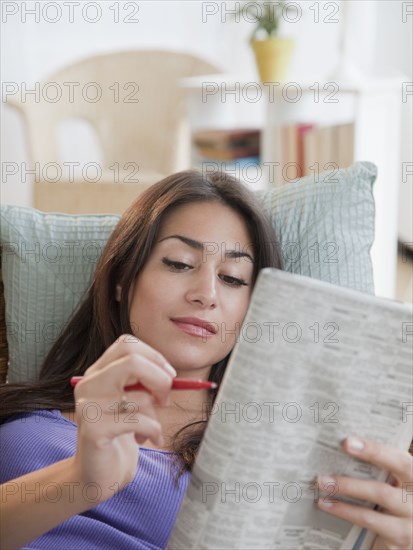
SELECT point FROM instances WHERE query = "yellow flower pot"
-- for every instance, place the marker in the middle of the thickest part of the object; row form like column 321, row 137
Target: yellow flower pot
column 273, row 57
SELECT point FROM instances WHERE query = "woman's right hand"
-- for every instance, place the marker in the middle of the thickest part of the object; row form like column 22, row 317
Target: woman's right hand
column 108, row 437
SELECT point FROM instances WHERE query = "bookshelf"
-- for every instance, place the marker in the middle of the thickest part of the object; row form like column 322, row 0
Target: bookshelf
column 372, row 107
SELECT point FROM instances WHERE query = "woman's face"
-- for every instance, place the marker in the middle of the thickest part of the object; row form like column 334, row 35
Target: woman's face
column 200, row 271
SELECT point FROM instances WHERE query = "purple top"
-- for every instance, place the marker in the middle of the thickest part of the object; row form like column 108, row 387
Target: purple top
column 141, row 515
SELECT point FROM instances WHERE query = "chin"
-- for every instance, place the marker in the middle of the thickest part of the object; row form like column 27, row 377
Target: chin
column 190, row 362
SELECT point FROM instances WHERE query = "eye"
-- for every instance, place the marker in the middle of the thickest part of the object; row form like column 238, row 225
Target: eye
column 176, row 266
column 233, row 281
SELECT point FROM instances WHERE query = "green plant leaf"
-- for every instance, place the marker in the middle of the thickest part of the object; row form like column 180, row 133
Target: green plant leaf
column 266, row 16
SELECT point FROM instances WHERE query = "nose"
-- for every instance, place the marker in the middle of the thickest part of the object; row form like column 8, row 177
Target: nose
column 203, row 290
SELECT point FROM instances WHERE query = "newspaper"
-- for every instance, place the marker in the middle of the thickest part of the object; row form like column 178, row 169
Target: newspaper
column 314, row 363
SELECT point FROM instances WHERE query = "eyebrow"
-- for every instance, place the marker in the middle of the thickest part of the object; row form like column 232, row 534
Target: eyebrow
column 199, row 246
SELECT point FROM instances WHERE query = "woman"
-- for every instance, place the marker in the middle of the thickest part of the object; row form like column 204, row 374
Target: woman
column 169, row 294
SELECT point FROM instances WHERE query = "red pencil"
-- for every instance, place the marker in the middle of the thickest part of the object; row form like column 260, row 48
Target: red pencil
column 177, row 384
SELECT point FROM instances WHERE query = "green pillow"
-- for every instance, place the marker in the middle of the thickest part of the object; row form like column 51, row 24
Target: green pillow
column 325, row 229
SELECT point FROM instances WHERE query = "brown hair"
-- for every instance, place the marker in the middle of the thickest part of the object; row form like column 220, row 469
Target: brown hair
column 99, row 320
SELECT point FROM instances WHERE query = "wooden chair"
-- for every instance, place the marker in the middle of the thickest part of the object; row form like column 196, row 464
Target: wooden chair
column 139, row 122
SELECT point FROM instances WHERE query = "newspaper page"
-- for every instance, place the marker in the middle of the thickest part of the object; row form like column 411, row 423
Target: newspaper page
column 314, row 363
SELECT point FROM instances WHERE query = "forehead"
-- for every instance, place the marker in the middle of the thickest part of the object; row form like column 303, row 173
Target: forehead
column 206, row 222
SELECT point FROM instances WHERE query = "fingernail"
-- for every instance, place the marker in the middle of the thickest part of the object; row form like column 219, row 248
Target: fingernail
column 170, row 369
column 325, row 503
column 355, row 444
column 326, row 481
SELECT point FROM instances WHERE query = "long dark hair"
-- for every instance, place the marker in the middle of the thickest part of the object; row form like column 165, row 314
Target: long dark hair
column 99, row 320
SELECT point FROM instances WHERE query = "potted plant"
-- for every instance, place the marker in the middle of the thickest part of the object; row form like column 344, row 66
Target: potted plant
column 272, row 53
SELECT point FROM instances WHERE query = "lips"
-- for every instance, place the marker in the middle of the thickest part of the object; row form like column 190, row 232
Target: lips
column 195, row 326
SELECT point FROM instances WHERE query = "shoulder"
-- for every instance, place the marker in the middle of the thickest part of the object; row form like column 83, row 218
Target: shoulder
column 42, row 419
column 31, row 441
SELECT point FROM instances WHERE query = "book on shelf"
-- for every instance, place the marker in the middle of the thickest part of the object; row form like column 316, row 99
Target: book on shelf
column 302, row 131
column 304, row 149
column 227, row 138
column 233, row 165
column 314, row 363
column 227, row 144
column 345, row 144
column 297, row 149
column 227, row 154
column 310, row 150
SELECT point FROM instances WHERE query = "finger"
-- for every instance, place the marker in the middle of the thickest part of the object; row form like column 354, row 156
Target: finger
column 396, row 531
column 128, row 344
column 397, row 462
column 142, row 399
column 377, row 492
column 110, row 381
column 115, row 410
column 128, row 408
column 137, row 404
column 143, row 427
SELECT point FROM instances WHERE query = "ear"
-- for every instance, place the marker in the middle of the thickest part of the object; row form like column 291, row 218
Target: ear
column 118, row 293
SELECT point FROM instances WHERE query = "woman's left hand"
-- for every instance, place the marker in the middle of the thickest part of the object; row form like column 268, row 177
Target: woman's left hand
column 394, row 522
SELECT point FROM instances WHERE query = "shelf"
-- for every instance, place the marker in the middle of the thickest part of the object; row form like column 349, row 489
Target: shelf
column 372, row 105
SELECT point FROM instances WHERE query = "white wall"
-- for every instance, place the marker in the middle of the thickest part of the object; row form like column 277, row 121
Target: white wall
column 378, row 43
column 394, row 55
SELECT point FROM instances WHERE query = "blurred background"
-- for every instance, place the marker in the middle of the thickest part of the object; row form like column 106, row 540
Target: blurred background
column 98, row 94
